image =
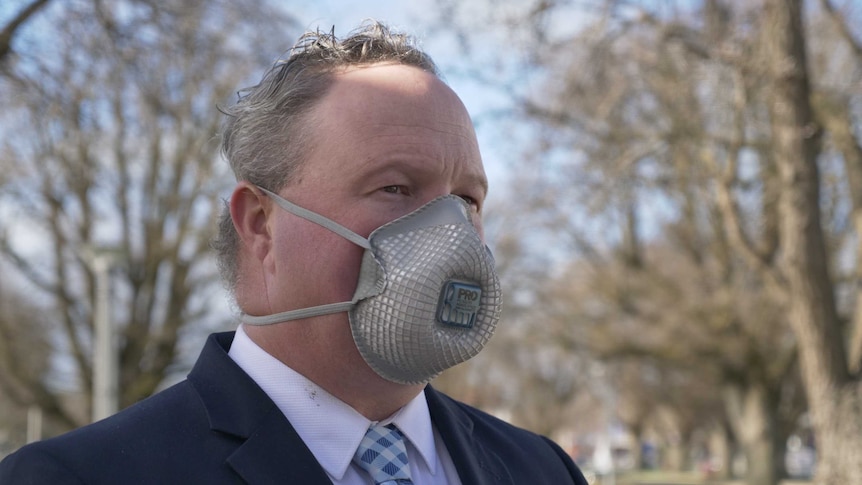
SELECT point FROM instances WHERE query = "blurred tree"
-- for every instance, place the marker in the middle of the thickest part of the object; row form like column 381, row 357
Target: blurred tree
column 16, row 23
column 24, row 346
column 832, row 379
column 701, row 167
column 111, row 132
column 534, row 390
column 699, row 344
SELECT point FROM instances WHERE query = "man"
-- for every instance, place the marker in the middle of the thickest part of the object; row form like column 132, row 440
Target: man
column 352, row 244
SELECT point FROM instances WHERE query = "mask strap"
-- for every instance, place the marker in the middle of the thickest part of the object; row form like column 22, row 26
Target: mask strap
column 298, row 314
column 318, row 219
column 314, row 311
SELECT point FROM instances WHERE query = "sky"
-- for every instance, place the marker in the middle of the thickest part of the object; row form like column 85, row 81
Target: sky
column 346, row 14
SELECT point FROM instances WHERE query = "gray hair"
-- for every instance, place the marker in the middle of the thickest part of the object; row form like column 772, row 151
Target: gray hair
column 265, row 134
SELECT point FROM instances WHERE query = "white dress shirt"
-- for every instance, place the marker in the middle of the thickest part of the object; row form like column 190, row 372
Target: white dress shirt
column 332, row 429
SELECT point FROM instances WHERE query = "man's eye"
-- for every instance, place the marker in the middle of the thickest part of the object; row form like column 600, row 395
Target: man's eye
column 394, row 189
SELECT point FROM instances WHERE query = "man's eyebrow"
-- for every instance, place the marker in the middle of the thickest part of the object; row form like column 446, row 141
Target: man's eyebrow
column 373, row 167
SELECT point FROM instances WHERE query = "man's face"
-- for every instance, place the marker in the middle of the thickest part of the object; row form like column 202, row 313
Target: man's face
column 385, row 140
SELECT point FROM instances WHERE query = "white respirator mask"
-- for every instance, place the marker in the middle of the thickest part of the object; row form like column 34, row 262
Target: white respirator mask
column 428, row 296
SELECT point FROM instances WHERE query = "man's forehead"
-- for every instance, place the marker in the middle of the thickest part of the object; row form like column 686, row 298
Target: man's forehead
column 377, row 82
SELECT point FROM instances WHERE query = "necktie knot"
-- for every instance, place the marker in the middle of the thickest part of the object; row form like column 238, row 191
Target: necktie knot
column 383, row 454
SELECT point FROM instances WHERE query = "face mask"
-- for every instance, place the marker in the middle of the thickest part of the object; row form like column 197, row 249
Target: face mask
column 428, row 296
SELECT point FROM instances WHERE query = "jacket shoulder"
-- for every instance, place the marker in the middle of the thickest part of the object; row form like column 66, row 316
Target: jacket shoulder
column 145, row 433
column 35, row 465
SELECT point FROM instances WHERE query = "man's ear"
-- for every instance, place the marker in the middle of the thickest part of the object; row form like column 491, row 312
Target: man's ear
column 250, row 209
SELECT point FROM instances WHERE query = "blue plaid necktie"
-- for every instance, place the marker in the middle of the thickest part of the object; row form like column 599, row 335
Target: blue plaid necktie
column 383, row 454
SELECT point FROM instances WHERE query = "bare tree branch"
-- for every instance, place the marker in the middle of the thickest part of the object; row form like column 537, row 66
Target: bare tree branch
column 8, row 31
column 843, row 28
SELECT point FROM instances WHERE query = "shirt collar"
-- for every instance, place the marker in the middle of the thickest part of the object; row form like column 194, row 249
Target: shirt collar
column 330, row 428
column 414, row 421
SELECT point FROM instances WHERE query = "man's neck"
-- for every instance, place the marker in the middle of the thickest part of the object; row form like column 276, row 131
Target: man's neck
column 335, row 365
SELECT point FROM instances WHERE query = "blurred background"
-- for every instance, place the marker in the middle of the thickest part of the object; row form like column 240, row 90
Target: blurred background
column 675, row 209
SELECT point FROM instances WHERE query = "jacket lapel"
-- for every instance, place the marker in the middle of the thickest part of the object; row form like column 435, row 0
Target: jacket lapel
column 269, row 450
column 475, row 463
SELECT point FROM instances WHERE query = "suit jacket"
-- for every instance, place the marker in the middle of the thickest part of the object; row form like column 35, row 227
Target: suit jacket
column 219, row 427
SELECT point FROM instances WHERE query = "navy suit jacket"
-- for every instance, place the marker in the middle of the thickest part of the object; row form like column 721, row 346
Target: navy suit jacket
column 219, row 427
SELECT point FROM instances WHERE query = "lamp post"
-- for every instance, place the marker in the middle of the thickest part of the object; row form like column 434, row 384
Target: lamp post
column 105, row 363
column 34, row 423
column 100, row 261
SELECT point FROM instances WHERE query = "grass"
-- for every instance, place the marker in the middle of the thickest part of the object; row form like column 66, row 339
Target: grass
column 673, row 478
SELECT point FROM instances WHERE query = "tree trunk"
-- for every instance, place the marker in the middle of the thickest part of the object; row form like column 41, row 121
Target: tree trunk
column 637, row 431
column 752, row 413
column 838, row 435
column 722, row 446
column 673, row 458
column 833, row 397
